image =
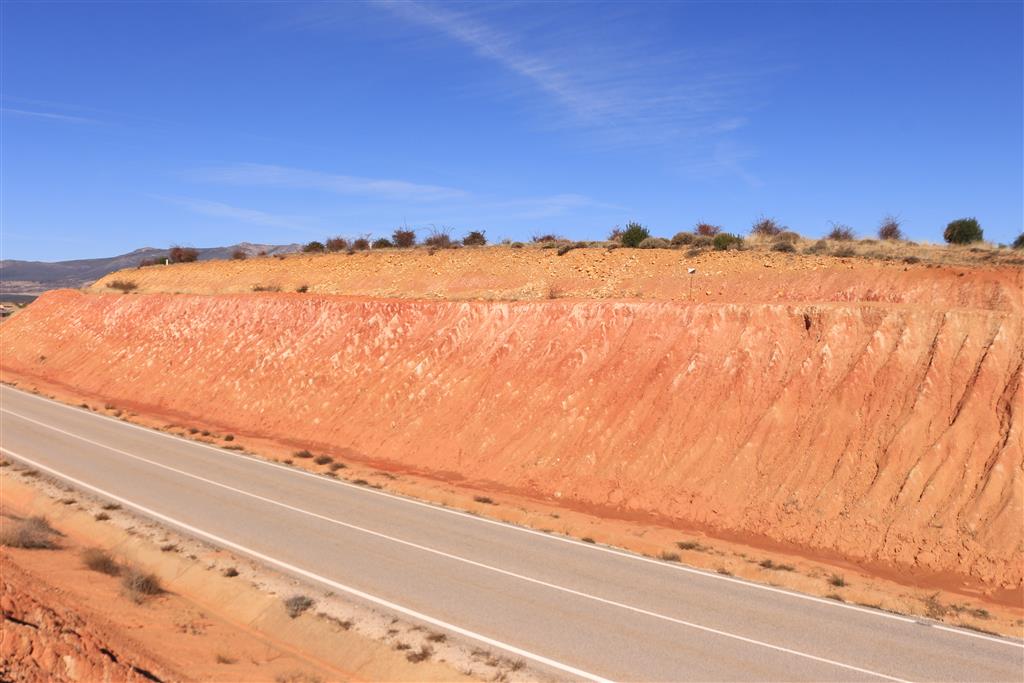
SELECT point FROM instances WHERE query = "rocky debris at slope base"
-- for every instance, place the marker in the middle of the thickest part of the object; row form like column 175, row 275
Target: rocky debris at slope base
column 881, row 433
column 45, row 640
column 505, row 274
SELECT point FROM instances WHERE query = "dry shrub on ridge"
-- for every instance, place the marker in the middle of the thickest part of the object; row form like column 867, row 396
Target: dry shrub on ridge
column 403, row 238
column 840, row 233
column 180, row 254
column 766, row 227
column 336, row 244
column 889, row 229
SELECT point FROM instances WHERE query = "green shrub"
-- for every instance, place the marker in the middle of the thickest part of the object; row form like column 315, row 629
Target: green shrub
column 840, row 233
column 313, row 247
column 707, row 229
column 726, row 240
column 681, row 238
column 1019, row 242
column 655, row 243
column 634, row 234
column 765, row 227
column 403, row 238
column 963, row 231
column 475, row 238
column 784, row 247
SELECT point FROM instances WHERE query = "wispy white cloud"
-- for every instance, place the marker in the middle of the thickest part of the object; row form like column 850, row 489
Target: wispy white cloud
column 455, row 201
column 282, row 176
column 726, row 159
column 625, row 91
column 240, row 214
column 537, row 208
column 47, row 115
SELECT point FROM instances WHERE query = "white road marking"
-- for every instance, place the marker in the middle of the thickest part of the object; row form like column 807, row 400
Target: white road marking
column 562, row 539
column 316, row 577
column 994, row 639
column 457, row 558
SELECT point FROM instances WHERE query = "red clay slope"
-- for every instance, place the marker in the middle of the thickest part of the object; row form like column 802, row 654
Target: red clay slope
column 880, row 432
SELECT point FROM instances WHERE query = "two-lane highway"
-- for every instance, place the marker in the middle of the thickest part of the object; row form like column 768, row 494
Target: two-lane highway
column 579, row 610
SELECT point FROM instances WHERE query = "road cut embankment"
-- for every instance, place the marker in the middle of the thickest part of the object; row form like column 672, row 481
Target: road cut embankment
column 882, row 434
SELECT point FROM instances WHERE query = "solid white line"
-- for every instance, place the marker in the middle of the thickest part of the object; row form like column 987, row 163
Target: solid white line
column 982, row 636
column 561, row 539
column 316, row 577
column 457, row 558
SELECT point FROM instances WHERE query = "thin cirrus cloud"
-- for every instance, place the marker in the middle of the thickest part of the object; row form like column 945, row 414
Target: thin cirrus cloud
column 50, row 116
column 455, row 201
column 240, row 214
column 250, row 175
column 606, row 88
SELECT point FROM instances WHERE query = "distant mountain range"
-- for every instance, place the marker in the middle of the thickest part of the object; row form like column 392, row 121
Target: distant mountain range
column 32, row 277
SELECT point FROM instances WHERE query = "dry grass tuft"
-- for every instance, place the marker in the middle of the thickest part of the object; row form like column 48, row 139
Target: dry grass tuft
column 138, row 585
column 32, row 533
column 100, row 560
column 297, row 604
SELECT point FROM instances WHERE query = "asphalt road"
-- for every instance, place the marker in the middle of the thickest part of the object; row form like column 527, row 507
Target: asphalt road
column 578, row 610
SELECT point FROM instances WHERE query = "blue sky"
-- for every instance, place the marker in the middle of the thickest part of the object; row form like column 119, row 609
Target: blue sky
column 145, row 124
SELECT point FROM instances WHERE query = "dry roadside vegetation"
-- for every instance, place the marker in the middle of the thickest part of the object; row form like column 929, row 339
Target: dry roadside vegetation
column 557, row 269
column 124, row 599
column 398, row 260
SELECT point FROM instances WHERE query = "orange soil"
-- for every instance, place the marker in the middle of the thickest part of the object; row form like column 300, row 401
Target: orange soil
column 878, row 432
column 501, row 273
column 63, row 622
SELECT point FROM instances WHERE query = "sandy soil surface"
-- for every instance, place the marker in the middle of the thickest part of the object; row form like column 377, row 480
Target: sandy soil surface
column 501, row 273
column 66, row 622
